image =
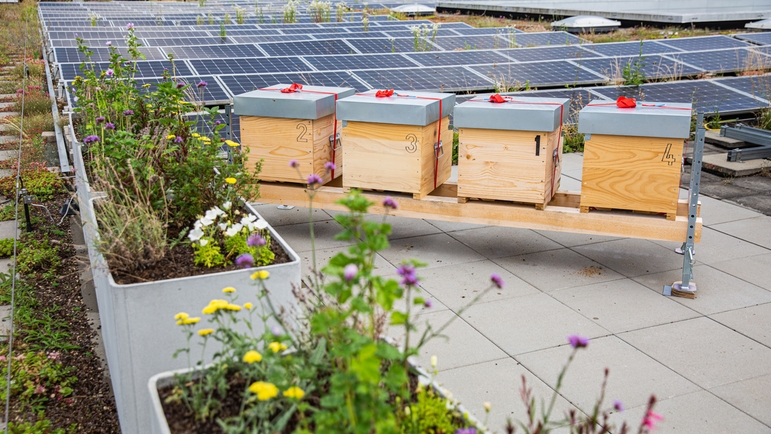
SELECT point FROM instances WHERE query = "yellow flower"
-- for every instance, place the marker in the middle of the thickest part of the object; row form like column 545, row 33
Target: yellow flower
column 146, row 85
column 170, row 136
column 228, row 290
column 231, row 143
column 248, row 305
column 182, row 315
column 189, row 321
column 214, row 306
column 208, row 310
column 294, row 392
column 205, row 332
column 233, row 307
column 205, row 139
column 262, row 275
column 196, row 135
column 264, row 391
column 252, row 356
column 276, row 346
column 487, row 406
column 149, row 105
column 230, row 181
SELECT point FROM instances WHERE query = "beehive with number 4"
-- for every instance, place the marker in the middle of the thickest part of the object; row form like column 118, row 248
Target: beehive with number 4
column 397, row 141
column 633, row 154
column 286, row 122
column 510, row 148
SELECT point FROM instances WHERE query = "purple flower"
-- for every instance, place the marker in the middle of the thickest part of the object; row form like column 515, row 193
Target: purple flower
column 201, row 84
column 618, row 405
column 54, row 355
column 388, row 202
column 128, row 112
column 408, row 273
column 350, row 271
column 129, row 26
column 110, row 72
column 109, row 126
column 255, row 240
column 90, row 139
column 469, row 430
column 276, row 331
column 294, row 164
column 217, row 122
column 428, row 303
column 577, row 341
column 330, row 166
column 496, row 279
column 76, row 35
column 180, row 85
column 245, row 260
column 109, row 43
column 178, row 139
column 314, row 179
column 99, row 119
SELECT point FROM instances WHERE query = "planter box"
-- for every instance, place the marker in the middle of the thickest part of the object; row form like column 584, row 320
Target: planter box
column 138, row 329
column 510, row 151
column 633, row 156
column 391, row 143
column 280, row 127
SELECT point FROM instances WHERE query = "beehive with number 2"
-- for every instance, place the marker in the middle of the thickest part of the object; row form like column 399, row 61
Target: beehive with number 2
column 398, row 141
column 285, row 122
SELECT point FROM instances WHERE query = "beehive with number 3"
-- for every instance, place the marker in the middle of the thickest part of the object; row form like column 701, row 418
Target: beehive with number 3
column 398, row 141
column 285, row 122
column 510, row 148
column 633, row 154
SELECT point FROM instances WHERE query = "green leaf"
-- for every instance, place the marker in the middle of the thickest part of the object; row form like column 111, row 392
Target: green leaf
column 418, row 300
column 318, row 353
column 398, row 318
column 366, row 365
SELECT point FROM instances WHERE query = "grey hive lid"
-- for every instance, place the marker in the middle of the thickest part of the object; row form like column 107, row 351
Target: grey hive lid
column 313, row 102
column 414, row 9
column 762, row 24
column 583, row 23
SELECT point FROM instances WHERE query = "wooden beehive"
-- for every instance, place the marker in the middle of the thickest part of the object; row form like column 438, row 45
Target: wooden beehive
column 633, row 156
column 280, row 127
column 390, row 142
column 510, row 151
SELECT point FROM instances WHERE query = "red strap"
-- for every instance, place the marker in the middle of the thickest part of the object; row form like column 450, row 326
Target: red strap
column 295, row 87
column 657, row 106
column 624, row 102
column 384, row 93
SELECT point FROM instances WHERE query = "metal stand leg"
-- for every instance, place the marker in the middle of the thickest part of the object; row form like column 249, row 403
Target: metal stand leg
column 687, row 287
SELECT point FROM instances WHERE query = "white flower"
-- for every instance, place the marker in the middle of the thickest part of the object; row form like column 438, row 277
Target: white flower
column 217, row 211
column 236, row 228
column 204, row 242
column 248, row 219
column 223, row 226
column 226, row 205
column 206, row 221
column 197, row 224
column 195, row 234
column 261, row 224
column 210, row 215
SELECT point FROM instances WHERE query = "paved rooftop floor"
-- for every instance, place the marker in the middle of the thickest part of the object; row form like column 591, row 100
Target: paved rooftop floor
column 707, row 360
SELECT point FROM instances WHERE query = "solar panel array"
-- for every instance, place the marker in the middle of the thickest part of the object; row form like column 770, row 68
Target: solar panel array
column 207, row 44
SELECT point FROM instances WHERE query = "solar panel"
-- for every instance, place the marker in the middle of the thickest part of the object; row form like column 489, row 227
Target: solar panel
column 174, row 42
column 537, row 74
column 292, row 31
column 705, row 95
column 719, row 61
column 328, row 46
column 441, row 79
column 211, row 92
column 247, row 32
column 468, row 31
column 172, row 34
column 547, row 53
column 269, row 38
column 356, row 34
column 757, row 38
column 88, row 43
column 758, row 86
column 144, row 69
column 546, row 38
column 409, row 34
column 203, row 124
column 214, row 51
column 359, row 61
column 630, row 48
column 716, row 42
column 578, row 97
column 384, row 45
column 475, row 42
column 453, row 58
column 652, row 67
column 238, row 84
column 90, row 34
column 249, row 66
column 100, row 54
column 456, row 26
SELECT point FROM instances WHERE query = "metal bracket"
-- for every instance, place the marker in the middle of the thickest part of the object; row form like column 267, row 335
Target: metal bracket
column 438, row 150
column 336, row 142
column 686, row 287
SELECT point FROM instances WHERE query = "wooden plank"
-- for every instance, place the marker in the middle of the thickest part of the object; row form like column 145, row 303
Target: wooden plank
column 553, row 218
column 632, row 173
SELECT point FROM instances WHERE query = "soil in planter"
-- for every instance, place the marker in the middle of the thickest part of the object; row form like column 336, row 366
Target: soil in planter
column 57, row 321
column 178, row 262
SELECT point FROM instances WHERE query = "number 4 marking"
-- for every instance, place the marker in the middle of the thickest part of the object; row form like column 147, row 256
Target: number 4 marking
column 668, row 157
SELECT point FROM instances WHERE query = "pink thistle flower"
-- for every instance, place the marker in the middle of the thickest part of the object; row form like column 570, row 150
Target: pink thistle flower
column 388, row 202
column 330, row 166
column 294, row 164
column 650, row 420
column 314, row 179
column 350, row 271
column 496, row 279
column 245, row 260
column 577, row 341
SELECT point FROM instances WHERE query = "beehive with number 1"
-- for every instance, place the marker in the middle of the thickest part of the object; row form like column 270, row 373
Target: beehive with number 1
column 286, row 122
column 510, row 148
column 399, row 141
column 633, row 155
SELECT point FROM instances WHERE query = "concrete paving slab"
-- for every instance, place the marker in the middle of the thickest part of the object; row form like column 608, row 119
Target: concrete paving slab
column 382, row 267
column 529, row 323
column 569, row 183
column 5, row 265
column 631, row 257
column 404, row 227
column 724, row 142
column 7, row 229
column 6, row 104
column 456, row 285
column 572, row 161
column 622, row 305
column 714, row 211
column 298, row 235
column 749, row 396
column 753, row 322
column 7, row 155
column 8, row 114
column 753, row 269
column 757, row 183
column 557, row 269
column 717, row 291
column 447, row 227
column 436, row 250
column 756, row 230
column 496, row 242
column 464, row 346
column 5, row 322
column 500, row 387
column 277, row 217
column 760, row 202
column 718, row 163
column 703, row 351
column 569, row 239
column 716, row 246
column 633, row 376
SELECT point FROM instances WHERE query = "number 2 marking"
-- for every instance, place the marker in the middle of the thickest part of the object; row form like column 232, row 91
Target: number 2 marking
column 304, row 130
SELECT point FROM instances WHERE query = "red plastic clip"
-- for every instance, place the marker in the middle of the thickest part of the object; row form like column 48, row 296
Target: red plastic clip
column 624, row 102
column 295, row 87
column 384, row 93
column 496, row 98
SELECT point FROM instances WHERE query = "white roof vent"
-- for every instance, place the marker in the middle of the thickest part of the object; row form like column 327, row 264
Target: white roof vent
column 586, row 23
column 762, row 24
column 414, row 9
